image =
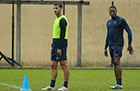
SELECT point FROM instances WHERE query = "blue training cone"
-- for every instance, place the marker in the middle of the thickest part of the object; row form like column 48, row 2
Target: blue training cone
column 25, row 85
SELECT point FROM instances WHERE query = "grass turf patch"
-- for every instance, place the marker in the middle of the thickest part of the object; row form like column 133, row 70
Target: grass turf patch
column 80, row 80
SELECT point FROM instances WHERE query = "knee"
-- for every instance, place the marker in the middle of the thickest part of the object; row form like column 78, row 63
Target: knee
column 63, row 66
column 116, row 62
column 53, row 66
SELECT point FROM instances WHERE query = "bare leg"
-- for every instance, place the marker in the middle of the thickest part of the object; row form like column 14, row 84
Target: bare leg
column 112, row 61
column 117, row 69
column 54, row 70
column 65, row 69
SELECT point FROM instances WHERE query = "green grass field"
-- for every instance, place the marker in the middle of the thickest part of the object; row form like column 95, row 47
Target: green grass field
column 80, row 80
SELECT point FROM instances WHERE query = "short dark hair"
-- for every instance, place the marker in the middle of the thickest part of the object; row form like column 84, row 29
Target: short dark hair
column 59, row 4
column 112, row 6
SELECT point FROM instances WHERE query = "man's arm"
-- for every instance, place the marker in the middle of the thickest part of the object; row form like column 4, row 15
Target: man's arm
column 107, row 39
column 106, row 43
column 127, row 29
column 63, row 25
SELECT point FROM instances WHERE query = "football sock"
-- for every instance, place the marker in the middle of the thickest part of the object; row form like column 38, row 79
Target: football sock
column 52, row 84
column 65, row 84
column 119, row 81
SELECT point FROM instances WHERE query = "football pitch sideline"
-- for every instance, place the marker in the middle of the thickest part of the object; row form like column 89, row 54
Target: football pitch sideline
column 80, row 80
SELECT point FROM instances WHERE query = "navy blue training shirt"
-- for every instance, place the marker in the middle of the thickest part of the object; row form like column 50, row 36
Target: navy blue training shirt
column 62, row 42
column 115, row 28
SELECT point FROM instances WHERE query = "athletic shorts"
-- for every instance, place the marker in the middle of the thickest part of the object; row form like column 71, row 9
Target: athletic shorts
column 115, row 51
column 56, row 57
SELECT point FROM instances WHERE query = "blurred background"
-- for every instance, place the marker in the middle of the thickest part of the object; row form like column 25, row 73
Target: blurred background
column 37, row 25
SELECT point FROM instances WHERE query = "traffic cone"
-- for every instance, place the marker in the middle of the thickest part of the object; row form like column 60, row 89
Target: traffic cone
column 25, row 85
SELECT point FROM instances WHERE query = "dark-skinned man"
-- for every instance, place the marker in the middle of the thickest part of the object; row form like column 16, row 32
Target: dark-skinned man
column 115, row 28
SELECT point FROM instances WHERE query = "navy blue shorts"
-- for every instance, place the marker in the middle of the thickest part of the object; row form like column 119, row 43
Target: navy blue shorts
column 115, row 51
column 56, row 57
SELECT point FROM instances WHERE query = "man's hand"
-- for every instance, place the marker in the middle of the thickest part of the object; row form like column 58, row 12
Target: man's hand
column 59, row 52
column 106, row 53
column 130, row 49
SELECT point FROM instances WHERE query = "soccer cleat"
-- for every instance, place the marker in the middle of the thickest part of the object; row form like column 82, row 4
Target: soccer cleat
column 48, row 88
column 117, row 87
column 63, row 89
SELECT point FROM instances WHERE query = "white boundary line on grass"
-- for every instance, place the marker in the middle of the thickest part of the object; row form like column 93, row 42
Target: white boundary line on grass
column 8, row 85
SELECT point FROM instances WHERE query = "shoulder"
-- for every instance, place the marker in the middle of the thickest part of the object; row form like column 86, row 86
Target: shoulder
column 121, row 19
column 108, row 21
column 62, row 19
